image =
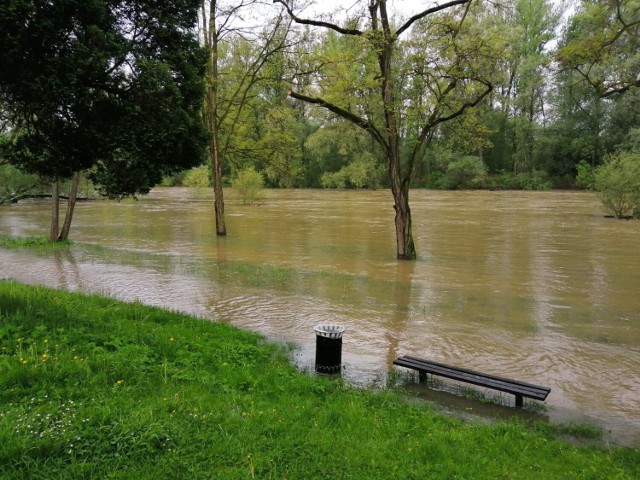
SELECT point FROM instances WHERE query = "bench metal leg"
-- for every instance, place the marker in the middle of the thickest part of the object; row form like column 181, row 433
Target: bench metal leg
column 519, row 401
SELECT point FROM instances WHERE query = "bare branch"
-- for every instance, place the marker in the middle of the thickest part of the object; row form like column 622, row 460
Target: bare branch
column 465, row 106
column 429, row 11
column 319, row 23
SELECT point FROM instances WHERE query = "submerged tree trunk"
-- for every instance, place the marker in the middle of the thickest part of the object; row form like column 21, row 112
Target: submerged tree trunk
column 211, row 43
column 71, row 205
column 221, row 228
column 405, row 247
column 55, row 210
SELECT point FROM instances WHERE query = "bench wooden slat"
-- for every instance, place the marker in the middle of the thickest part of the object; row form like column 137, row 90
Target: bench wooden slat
column 515, row 387
column 473, row 372
column 477, row 378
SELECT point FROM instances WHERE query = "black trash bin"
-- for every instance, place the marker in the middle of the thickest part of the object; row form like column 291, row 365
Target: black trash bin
column 328, row 348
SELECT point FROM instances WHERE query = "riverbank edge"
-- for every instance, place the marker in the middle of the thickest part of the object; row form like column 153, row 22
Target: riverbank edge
column 96, row 388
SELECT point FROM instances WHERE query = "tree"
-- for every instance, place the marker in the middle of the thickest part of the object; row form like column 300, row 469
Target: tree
column 617, row 183
column 602, row 45
column 443, row 57
column 228, row 95
column 518, row 112
column 249, row 183
column 114, row 87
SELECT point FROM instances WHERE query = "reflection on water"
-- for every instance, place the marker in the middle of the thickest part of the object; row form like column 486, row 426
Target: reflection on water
column 536, row 286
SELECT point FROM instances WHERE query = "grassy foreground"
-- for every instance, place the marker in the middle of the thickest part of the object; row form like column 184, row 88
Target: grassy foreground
column 95, row 388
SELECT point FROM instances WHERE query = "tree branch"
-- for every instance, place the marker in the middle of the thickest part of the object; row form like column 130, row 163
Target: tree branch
column 319, row 23
column 347, row 115
column 465, row 106
column 437, row 8
column 621, row 89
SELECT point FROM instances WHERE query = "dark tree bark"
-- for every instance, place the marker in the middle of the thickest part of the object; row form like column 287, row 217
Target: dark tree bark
column 71, row 205
column 55, row 210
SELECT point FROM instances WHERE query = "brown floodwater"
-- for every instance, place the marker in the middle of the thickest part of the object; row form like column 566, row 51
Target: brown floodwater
column 536, row 286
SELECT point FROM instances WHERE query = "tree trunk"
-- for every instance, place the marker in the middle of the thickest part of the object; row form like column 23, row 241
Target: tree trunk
column 211, row 43
column 221, row 228
column 55, row 210
column 71, row 204
column 405, row 247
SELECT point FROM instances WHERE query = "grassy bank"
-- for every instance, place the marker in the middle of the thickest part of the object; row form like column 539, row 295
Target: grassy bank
column 95, row 388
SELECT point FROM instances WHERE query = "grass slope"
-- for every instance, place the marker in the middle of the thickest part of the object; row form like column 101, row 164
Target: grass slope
column 95, row 388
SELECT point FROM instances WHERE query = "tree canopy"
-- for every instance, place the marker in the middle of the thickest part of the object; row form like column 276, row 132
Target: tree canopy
column 110, row 86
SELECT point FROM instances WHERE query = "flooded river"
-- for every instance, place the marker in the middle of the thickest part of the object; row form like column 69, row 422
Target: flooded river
column 536, row 286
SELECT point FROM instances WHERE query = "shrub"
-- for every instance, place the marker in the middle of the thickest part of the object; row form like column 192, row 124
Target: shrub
column 250, row 185
column 362, row 173
column 534, row 180
column 466, row 172
column 197, row 177
column 617, row 183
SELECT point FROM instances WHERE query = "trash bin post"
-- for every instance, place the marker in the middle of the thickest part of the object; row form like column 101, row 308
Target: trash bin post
column 328, row 348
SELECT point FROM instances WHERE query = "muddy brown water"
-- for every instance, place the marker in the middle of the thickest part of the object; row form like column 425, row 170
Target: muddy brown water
column 535, row 286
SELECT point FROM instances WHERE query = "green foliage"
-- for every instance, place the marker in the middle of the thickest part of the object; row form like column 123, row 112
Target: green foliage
column 173, row 180
column 38, row 243
column 601, row 44
column 585, row 176
column 250, row 185
column 198, row 177
column 364, row 172
column 466, row 172
column 281, row 152
column 15, row 184
column 95, row 388
column 535, row 180
column 88, row 102
column 617, row 183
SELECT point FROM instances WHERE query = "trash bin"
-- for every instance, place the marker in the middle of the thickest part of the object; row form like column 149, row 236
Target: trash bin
column 328, row 348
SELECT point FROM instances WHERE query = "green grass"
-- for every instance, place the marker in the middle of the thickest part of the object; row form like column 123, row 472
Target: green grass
column 36, row 243
column 95, row 388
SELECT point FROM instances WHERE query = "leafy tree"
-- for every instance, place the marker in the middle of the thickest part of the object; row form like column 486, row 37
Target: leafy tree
column 519, row 103
column 197, row 177
column 346, row 156
column 617, row 183
column 250, row 184
column 602, row 45
column 466, row 172
column 369, row 79
column 114, row 87
column 237, row 54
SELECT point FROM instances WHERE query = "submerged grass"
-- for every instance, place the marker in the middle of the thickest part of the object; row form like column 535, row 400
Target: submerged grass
column 37, row 243
column 95, row 388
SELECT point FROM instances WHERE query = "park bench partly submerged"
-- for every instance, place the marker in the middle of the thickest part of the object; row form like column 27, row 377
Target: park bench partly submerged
column 515, row 387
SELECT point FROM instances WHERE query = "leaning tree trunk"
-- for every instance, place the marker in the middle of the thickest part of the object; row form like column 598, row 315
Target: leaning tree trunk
column 55, row 210
column 71, row 205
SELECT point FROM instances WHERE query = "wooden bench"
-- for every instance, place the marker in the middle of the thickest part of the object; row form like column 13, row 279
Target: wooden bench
column 515, row 387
